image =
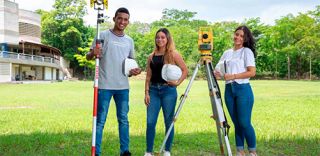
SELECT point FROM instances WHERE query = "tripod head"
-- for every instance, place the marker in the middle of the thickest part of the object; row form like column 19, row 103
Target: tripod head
column 205, row 43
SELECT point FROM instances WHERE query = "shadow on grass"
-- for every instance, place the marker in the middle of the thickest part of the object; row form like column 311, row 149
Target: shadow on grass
column 193, row 144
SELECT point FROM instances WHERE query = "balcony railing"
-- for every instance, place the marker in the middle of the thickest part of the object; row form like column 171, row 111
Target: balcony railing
column 20, row 56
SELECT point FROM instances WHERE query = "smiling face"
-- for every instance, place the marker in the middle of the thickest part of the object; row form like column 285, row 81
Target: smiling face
column 238, row 38
column 121, row 20
column 161, row 40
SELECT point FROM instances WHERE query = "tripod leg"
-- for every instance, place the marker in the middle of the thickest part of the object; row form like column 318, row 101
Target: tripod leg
column 217, row 109
column 182, row 101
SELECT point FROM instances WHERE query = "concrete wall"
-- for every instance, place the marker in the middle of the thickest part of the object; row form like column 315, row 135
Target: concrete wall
column 39, row 73
column 5, row 72
column 61, row 75
column 29, row 26
column 54, row 74
column 9, row 27
column 47, row 73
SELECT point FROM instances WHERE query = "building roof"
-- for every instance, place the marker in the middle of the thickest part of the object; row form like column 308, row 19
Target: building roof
column 42, row 45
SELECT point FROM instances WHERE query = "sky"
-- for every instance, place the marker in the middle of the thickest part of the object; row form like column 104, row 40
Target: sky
column 147, row 11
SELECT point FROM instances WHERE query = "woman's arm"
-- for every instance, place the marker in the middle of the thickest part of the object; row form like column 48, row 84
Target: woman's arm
column 251, row 72
column 147, row 82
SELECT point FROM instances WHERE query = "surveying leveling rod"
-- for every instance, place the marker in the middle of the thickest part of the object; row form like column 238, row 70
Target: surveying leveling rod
column 100, row 6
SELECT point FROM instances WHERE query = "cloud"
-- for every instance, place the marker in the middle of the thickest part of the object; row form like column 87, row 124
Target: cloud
column 209, row 10
column 33, row 5
column 272, row 13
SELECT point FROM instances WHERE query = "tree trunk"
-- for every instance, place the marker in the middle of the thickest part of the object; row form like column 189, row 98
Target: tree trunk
column 299, row 71
column 276, row 65
column 310, row 64
column 288, row 67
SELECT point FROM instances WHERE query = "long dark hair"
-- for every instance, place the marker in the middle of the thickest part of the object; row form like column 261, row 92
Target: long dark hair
column 248, row 39
column 170, row 47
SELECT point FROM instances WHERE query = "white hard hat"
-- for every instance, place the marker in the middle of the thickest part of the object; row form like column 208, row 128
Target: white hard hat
column 171, row 72
column 221, row 67
column 127, row 65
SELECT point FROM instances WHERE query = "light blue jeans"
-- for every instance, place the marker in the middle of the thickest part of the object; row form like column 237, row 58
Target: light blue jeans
column 121, row 98
column 165, row 97
column 239, row 100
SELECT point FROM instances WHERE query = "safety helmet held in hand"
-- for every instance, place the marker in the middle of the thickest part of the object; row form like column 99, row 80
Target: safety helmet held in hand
column 171, row 72
column 127, row 65
column 221, row 67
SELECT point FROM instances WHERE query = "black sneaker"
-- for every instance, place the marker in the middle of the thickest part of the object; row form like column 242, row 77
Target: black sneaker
column 126, row 153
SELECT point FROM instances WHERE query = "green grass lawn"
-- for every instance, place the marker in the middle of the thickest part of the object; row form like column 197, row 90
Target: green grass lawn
column 56, row 119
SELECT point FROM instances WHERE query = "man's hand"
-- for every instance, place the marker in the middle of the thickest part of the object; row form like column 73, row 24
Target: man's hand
column 94, row 53
column 135, row 71
column 97, row 52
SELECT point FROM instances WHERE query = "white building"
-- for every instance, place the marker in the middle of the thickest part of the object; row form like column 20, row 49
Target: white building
column 22, row 56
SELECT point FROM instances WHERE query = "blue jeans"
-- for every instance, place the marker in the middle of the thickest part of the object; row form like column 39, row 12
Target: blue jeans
column 239, row 100
column 160, row 96
column 121, row 98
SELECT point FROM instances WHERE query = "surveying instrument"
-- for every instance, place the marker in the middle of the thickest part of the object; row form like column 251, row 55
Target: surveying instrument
column 99, row 5
column 205, row 45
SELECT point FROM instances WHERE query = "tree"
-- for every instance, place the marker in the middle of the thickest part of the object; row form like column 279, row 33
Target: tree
column 143, row 41
column 89, row 65
column 290, row 48
column 64, row 28
column 222, row 38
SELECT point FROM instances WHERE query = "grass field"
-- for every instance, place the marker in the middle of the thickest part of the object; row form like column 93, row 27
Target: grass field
column 55, row 119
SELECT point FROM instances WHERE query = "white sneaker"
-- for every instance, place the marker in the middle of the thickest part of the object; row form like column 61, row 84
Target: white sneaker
column 166, row 153
column 240, row 153
column 148, row 154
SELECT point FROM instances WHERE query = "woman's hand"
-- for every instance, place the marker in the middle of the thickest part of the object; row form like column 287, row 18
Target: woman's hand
column 229, row 76
column 147, row 99
column 173, row 83
column 217, row 74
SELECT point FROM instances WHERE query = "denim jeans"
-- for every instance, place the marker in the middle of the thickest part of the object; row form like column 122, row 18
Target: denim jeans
column 165, row 97
column 121, row 98
column 239, row 100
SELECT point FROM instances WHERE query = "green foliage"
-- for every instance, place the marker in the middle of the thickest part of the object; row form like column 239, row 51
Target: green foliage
column 81, row 57
column 222, row 33
column 295, row 38
column 285, row 50
column 64, row 28
column 143, row 41
column 70, row 9
column 287, row 46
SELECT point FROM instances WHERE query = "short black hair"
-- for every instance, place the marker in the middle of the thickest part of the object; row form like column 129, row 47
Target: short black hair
column 122, row 10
